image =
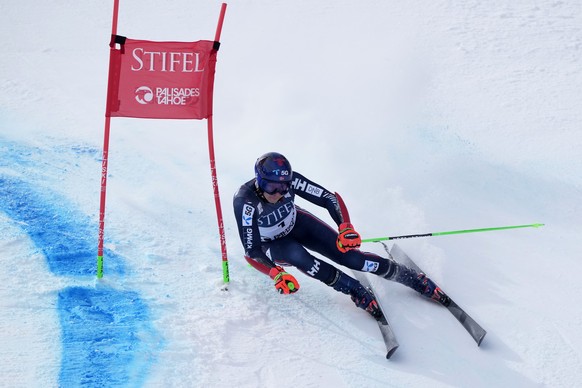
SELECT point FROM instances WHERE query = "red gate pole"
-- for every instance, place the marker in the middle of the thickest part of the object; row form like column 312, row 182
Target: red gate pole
column 225, row 274
column 105, row 155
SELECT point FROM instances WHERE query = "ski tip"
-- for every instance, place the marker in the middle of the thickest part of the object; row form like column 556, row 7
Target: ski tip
column 391, row 352
column 480, row 339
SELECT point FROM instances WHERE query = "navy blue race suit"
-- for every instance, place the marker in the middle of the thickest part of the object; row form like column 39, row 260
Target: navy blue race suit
column 283, row 233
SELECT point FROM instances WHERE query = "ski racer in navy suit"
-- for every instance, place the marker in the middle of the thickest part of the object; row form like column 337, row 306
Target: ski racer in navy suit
column 275, row 233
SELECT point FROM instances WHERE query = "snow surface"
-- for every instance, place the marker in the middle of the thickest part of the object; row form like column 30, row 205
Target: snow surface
column 426, row 116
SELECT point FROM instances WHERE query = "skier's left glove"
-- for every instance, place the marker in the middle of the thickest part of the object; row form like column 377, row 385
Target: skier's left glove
column 285, row 283
column 348, row 238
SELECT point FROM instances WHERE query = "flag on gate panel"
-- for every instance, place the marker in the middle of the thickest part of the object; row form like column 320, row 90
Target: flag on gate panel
column 161, row 80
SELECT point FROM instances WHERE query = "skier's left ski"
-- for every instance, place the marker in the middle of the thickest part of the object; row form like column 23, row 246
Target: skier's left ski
column 383, row 325
column 472, row 327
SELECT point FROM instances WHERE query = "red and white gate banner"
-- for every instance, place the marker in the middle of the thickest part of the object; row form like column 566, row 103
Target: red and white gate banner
column 161, row 80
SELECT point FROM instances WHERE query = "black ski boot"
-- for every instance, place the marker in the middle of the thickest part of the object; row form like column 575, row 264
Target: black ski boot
column 432, row 291
column 365, row 299
column 361, row 296
column 418, row 282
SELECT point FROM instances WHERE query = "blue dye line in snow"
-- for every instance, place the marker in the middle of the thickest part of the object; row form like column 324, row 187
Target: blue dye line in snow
column 107, row 336
column 67, row 238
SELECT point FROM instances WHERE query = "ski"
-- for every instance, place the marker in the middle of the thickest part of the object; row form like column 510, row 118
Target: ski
column 383, row 324
column 472, row 327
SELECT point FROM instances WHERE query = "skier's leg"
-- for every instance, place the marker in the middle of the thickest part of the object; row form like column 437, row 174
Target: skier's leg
column 361, row 296
column 288, row 251
column 316, row 235
column 417, row 281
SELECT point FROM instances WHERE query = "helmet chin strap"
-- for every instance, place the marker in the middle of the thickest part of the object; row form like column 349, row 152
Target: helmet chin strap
column 259, row 192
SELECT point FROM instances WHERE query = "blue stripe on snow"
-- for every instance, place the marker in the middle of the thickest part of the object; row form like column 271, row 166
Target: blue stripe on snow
column 67, row 237
column 106, row 334
column 107, row 338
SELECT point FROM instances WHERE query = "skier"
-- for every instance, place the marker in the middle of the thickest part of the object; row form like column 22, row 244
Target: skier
column 275, row 233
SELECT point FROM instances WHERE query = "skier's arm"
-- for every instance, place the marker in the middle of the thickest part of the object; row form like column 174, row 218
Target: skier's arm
column 248, row 229
column 348, row 238
column 246, row 215
column 317, row 195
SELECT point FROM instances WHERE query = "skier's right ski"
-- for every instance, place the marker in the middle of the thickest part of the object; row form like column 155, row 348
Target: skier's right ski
column 383, row 325
column 472, row 327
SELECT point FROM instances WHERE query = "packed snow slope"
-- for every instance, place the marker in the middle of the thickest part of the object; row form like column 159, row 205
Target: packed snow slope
column 426, row 116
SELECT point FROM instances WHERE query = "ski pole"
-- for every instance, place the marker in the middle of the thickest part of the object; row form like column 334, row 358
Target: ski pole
column 451, row 232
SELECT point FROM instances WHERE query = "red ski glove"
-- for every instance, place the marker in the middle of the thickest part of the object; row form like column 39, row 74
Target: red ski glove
column 348, row 238
column 284, row 283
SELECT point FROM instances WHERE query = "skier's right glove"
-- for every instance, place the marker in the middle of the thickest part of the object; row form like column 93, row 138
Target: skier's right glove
column 348, row 238
column 284, row 283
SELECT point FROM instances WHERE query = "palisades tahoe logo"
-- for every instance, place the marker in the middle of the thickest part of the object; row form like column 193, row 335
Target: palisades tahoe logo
column 166, row 62
column 165, row 96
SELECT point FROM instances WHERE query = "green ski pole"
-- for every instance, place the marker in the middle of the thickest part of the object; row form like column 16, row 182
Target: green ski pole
column 377, row 239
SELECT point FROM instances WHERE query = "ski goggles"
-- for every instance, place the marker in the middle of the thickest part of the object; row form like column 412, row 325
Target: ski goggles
column 271, row 187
